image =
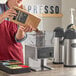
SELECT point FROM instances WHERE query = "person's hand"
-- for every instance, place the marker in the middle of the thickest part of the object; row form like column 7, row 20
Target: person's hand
column 9, row 14
column 21, row 6
column 22, row 30
column 26, row 29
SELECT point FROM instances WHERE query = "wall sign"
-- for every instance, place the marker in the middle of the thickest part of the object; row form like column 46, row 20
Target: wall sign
column 43, row 9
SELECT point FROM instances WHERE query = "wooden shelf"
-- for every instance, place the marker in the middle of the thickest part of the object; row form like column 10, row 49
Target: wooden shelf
column 49, row 15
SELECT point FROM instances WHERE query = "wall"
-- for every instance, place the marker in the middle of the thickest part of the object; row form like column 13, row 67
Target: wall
column 66, row 6
column 47, row 24
column 3, row 1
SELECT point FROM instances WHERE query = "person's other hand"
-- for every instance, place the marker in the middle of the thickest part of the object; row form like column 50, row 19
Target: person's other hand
column 26, row 29
column 22, row 30
column 9, row 14
column 21, row 6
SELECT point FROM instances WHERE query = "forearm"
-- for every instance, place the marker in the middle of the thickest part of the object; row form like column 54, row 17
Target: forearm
column 20, row 35
column 1, row 18
column 21, row 32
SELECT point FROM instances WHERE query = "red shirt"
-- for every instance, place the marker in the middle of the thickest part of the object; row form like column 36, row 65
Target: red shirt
column 9, row 48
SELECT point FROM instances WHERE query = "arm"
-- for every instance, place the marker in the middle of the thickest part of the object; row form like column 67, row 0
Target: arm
column 22, row 31
column 1, row 15
column 1, row 18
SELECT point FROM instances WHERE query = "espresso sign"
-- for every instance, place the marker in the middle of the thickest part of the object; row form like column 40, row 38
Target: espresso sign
column 43, row 9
